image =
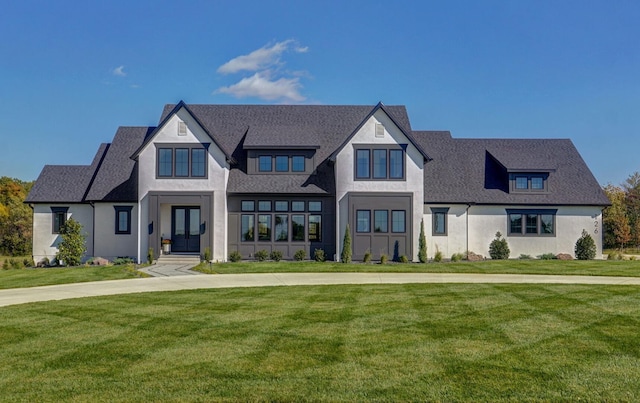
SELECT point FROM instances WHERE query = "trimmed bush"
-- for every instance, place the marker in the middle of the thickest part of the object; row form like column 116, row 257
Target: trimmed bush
column 345, row 256
column 122, row 261
column 261, row 255
column 585, row 247
column 614, row 256
column 276, row 255
column 422, row 244
column 403, row 259
column 235, row 256
column 499, row 248
column 524, row 257
column 72, row 247
column 318, row 255
column 383, row 258
column 456, row 257
column 300, row 255
column 547, row 256
column 367, row 257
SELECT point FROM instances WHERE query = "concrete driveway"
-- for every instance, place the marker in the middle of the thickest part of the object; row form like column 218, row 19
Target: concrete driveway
column 189, row 282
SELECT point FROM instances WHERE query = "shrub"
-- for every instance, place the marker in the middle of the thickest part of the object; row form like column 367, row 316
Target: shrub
column 547, row 256
column 27, row 262
column 235, row 256
column 437, row 257
column 614, row 256
column 345, row 256
column 5, row 265
column 72, row 247
column 16, row 264
column 422, row 244
column 262, row 255
column 367, row 256
column 524, row 257
column 300, row 254
column 207, row 254
column 122, row 261
column 383, row 258
column 403, row 259
column 456, row 257
column 150, row 256
column 318, row 255
column 585, row 247
column 276, row 255
column 499, row 248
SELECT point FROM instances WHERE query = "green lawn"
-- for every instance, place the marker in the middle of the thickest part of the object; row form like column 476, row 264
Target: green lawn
column 573, row 267
column 49, row 276
column 445, row 342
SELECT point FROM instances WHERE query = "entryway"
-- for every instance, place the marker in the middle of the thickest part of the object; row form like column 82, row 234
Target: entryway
column 185, row 229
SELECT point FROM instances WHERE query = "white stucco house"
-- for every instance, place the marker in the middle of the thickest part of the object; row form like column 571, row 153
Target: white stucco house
column 245, row 178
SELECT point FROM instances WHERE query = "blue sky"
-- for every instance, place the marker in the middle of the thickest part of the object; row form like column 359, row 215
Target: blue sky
column 73, row 71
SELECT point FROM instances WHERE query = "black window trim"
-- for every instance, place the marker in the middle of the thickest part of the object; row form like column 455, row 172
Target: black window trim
column 182, row 146
column 513, row 177
column 371, row 148
column 434, row 212
column 538, row 212
column 125, row 209
column 56, row 212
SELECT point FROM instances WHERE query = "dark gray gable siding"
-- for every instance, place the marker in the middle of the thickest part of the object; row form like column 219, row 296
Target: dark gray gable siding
column 476, row 171
column 116, row 180
column 65, row 183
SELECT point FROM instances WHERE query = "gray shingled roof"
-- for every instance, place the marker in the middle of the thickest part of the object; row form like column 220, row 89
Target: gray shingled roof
column 65, row 183
column 116, row 180
column 473, row 171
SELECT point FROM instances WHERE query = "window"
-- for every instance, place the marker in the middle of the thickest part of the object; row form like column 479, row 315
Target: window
column 297, row 228
column 282, row 205
column 529, row 182
column 198, row 162
column 264, row 163
column 248, row 205
column 537, row 183
column 315, row 228
column 182, row 162
column 531, row 222
column 264, row 205
column 315, row 206
column 380, row 221
column 282, row 163
column 123, row 219
column 165, row 162
column 264, row 227
column 379, row 163
column 522, row 182
column 59, row 218
column 297, row 163
column 282, row 227
column 439, row 216
column 398, row 221
column 363, row 221
column 297, row 206
column 247, row 227
column 362, row 164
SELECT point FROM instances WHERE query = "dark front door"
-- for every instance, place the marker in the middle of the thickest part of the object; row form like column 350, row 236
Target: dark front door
column 185, row 229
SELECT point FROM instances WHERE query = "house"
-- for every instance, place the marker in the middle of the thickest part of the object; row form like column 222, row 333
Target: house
column 246, row 178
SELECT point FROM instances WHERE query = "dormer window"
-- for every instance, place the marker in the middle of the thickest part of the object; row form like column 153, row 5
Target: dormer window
column 528, row 182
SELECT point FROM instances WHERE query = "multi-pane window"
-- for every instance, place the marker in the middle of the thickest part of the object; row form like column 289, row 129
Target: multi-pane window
column 380, row 220
column 198, row 156
column 165, row 162
column 315, row 206
column 182, row 162
column 315, row 228
column 531, row 222
column 297, row 206
column 264, row 163
column 282, row 227
column 363, row 221
column 246, row 227
column 439, row 215
column 297, row 163
column 398, row 221
column 379, row 163
column 529, row 182
column 282, row 205
column 264, row 227
column 282, row 163
column 59, row 218
column 297, row 227
column 248, row 205
column 264, row 205
column 123, row 219
column 537, row 183
column 279, row 163
column 522, row 182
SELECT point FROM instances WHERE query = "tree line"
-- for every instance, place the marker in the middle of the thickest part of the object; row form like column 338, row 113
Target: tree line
column 16, row 218
column 621, row 220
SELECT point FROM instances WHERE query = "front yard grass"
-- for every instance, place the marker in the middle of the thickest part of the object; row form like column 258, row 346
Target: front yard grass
column 418, row 342
column 626, row 268
column 18, row 278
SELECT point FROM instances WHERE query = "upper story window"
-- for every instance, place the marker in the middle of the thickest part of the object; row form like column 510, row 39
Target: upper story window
column 264, row 163
column 297, row 163
column 181, row 161
column 528, row 182
column 379, row 162
column 280, row 161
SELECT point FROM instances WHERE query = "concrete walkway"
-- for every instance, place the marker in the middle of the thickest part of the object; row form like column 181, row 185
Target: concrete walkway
column 169, row 270
column 185, row 282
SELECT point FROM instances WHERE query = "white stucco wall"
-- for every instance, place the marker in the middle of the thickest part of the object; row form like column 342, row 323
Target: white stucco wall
column 45, row 243
column 216, row 181
column 110, row 245
column 485, row 221
column 345, row 183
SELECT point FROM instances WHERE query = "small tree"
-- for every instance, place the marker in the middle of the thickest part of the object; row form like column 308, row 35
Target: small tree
column 422, row 244
column 499, row 248
column 345, row 256
column 585, row 247
column 72, row 247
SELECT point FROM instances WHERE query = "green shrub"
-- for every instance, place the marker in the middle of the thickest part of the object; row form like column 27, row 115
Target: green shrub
column 437, row 257
column 235, row 256
column 150, row 256
column 403, row 259
column 499, row 248
column 262, row 255
column 547, row 256
column 207, row 254
column 614, row 256
column 632, row 257
column 28, row 262
column 122, row 261
column 524, row 257
column 456, row 257
column 367, row 256
column 5, row 265
column 585, row 247
column 345, row 256
column 422, row 244
column 276, row 255
column 383, row 258
column 300, row 254
column 318, row 255
column 72, row 247
column 15, row 264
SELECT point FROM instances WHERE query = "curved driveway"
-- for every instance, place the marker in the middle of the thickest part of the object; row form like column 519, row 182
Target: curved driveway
column 113, row 287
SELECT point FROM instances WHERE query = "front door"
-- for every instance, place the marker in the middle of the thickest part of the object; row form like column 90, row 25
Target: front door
column 185, row 229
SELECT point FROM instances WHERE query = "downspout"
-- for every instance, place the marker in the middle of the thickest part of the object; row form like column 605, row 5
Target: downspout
column 467, row 229
column 93, row 237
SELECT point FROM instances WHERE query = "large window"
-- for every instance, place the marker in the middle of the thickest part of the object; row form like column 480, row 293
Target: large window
column 398, row 221
column 59, row 218
column 297, row 227
column 182, row 161
column 264, row 227
column 439, row 216
column 379, row 163
column 247, row 228
column 531, row 222
column 282, row 227
column 315, row 228
column 123, row 219
column 380, row 220
column 363, row 221
column 279, row 162
column 528, row 182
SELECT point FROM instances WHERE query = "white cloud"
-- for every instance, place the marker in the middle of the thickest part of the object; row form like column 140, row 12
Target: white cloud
column 119, row 71
column 260, row 59
column 262, row 86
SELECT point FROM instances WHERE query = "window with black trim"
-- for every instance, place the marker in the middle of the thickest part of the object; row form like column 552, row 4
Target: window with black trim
column 248, row 205
column 379, row 162
column 59, row 218
column 363, row 221
column 181, row 161
column 531, row 222
column 398, row 221
column 264, row 163
column 380, row 221
column 528, row 182
column 439, row 218
column 123, row 219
